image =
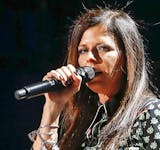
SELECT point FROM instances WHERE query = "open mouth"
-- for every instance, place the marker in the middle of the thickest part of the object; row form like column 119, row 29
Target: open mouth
column 97, row 73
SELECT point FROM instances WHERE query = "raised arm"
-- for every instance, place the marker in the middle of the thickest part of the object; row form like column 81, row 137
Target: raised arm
column 55, row 102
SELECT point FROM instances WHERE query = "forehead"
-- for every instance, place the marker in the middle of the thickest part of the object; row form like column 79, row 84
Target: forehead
column 98, row 33
column 97, row 29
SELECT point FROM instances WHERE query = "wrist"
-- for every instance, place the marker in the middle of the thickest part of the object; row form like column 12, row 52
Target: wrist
column 53, row 107
column 51, row 112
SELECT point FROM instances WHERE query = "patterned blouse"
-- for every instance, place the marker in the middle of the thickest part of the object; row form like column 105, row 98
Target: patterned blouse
column 145, row 133
column 146, row 128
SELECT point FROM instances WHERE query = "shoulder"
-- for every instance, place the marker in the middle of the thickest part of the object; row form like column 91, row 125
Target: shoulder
column 149, row 111
column 146, row 128
column 145, row 132
column 150, row 105
column 149, row 101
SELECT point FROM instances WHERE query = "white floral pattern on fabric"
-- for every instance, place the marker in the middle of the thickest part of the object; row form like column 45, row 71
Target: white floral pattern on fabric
column 146, row 129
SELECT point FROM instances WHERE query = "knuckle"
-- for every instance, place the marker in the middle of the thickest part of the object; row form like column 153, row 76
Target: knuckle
column 63, row 67
column 71, row 67
column 52, row 71
column 57, row 70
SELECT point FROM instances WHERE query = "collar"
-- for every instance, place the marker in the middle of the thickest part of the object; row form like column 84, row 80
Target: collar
column 112, row 106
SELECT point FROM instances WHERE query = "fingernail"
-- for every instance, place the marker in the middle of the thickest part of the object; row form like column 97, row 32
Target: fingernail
column 61, row 77
column 69, row 82
column 75, row 73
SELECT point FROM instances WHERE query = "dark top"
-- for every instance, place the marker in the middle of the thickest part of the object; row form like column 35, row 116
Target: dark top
column 145, row 133
column 146, row 128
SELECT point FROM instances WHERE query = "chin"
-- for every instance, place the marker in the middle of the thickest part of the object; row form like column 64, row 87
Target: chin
column 96, row 87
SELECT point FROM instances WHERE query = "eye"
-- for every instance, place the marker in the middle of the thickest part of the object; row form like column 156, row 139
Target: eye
column 103, row 47
column 82, row 50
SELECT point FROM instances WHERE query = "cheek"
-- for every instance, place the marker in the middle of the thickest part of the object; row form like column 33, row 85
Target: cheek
column 81, row 61
column 110, row 61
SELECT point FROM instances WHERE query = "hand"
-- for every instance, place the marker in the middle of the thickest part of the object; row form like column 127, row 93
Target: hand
column 66, row 74
column 55, row 101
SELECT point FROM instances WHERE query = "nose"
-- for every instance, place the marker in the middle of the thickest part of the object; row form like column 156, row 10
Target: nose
column 93, row 57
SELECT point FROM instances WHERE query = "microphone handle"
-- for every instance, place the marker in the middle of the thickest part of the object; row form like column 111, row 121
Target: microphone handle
column 37, row 89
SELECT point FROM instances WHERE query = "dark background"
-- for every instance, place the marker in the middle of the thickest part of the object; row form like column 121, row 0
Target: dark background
column 33, row 40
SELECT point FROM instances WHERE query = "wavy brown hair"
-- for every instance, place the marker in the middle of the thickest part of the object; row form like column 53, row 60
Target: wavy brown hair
column 79, row 112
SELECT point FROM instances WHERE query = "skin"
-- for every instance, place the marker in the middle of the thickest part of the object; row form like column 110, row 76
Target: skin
column 97, row 49
column 100, row 50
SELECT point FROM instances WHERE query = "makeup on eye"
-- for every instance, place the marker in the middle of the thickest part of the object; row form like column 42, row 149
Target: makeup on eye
column 104, row 47
column 99, row 47
column 82, row 50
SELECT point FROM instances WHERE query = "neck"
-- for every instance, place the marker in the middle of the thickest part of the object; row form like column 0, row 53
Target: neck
column 103, row 98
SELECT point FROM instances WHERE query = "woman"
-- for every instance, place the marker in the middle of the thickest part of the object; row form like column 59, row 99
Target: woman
column 116, row 109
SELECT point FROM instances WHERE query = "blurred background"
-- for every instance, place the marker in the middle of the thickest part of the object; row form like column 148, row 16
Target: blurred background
column 33, row 40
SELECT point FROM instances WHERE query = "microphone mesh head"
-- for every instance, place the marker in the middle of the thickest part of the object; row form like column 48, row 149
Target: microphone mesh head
column 87, row 73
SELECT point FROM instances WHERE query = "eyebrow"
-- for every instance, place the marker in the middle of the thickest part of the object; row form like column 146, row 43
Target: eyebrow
column 85, row 45
column 97, row 45
column 106, row 45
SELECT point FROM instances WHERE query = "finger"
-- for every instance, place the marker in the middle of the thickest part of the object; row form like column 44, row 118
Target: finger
column 75, row 76
column 71, row 68
column 63, row 72
column 77, row 80
column 46, row 77
column 52, row 75
column 68, row 71
column 56, row 75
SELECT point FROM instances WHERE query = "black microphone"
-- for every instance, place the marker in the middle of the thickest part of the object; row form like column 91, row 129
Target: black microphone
column 37, row 89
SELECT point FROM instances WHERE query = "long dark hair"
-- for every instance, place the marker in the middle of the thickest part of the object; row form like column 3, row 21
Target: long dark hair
column 82, row 107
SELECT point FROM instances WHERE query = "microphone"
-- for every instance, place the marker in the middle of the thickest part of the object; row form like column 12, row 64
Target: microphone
column 37, row 89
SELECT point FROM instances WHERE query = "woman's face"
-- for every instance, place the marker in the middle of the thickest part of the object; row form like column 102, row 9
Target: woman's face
column 100, row 50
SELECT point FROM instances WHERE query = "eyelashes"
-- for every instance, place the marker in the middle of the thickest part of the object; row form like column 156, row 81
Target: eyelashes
column 103, row 47
column 98, row 48
column 82, row 51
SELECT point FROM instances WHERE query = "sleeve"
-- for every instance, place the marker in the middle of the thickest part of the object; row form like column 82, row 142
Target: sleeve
column 52, row 142
column 146, row 129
